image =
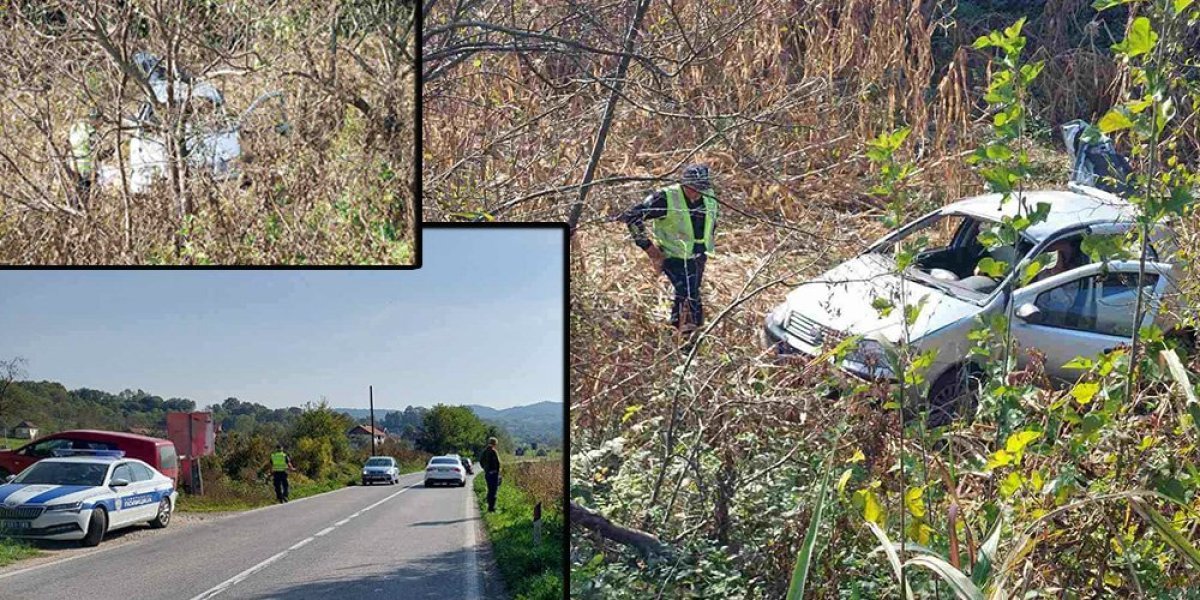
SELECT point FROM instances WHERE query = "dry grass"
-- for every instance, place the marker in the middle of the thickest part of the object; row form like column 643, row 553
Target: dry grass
column 336, row 189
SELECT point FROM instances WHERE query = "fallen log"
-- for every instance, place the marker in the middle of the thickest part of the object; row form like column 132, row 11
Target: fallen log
column 644, row 542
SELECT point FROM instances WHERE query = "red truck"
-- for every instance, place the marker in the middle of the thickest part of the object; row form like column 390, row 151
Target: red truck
column 156, row 452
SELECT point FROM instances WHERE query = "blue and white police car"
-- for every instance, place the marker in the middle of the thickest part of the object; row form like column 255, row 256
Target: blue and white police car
column 83, row 494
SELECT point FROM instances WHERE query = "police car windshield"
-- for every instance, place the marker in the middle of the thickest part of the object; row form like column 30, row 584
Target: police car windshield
column 63, row 473
column 379, row 462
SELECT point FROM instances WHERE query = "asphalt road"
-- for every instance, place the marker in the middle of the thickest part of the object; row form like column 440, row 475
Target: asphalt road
column 401, row 541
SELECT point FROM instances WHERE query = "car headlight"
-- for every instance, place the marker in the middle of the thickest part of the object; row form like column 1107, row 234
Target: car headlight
column 366, row 472
column 869, row 358
column 68, row 507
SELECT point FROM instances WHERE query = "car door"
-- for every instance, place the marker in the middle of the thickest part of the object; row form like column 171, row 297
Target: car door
column 1085, row 312
column 145, row 499
column 126, row 509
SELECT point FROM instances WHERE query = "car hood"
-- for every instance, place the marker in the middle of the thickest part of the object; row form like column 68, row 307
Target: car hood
column 842, row 298
column 20, row 494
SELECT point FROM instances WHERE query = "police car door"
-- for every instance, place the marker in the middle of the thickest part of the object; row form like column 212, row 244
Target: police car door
column 128, row 502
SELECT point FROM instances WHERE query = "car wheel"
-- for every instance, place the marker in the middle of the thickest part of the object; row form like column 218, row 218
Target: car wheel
column 163, row 518
column 364, row 482
column 953, row 396
column 428, row 483
column 97, row 527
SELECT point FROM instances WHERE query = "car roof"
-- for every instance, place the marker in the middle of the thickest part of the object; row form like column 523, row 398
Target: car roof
column 1068, row 208
column 109, row 434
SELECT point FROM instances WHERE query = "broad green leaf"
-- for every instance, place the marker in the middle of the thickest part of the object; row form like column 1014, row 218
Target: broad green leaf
column 1182, row 5
column 843, row 480
column 1141, row 39
column 998, row 459
column 1009, row 485
column 1084, row 392
column 1114, row 120
column 1016, row 442
column 893, row 558
column 1106, row 4
column 993, row 268
column 872, row 509
column 630, row 411
column 914, row 502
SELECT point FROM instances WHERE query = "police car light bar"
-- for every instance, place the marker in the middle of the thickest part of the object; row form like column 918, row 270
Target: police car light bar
column 61, row 452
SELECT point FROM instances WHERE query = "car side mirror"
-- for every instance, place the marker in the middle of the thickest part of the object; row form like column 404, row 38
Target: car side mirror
column 1029, row 312
column 119, row 483
column 9, row 478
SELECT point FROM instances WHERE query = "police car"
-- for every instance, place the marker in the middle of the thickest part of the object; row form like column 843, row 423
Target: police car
column 83, row 494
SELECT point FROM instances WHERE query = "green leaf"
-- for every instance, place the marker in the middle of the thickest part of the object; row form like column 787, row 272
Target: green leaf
column 1167, row 530
column 987, row 553
column 993, row 268
column 872, row 509
column 914, row 502
column 1084, row 392
column 1017, row 442
column 1009, row 485
column 1141, row 39
column 964, row 588
column 805, row 556
column 998, row 459
column 1182, row 5
column 894, row 559
column 1114, row 120
column 1106, row 4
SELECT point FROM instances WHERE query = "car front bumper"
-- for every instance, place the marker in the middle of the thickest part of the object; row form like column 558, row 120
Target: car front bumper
column 371, row 477
column 57, row 525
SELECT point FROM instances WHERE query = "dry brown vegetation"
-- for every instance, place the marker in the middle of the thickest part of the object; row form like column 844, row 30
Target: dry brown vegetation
column 715, row 446
column 333, row 185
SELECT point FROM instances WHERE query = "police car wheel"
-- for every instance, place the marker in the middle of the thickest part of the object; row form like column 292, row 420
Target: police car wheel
column 97, row 527
column 164, row 514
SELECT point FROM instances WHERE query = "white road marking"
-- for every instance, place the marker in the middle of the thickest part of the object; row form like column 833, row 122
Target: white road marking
column 236, row 579
column 323, row 532
column 302, row 542
column 471, row 566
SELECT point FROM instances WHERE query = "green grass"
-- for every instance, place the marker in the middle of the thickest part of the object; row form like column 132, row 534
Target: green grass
column 531, row 573
column 236, row 496
column 11, row 443
column 13, row 550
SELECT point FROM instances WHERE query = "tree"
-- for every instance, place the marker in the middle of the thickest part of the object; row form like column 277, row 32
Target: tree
column 320, row 422
column 451, row 429
column 10, row 371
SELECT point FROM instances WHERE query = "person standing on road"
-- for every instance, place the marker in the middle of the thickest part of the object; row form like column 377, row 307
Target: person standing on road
column 281, row 463
column 490, row 461
column 686, row 217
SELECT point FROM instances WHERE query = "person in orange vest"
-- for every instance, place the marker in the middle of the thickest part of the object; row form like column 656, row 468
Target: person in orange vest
column 685, row 217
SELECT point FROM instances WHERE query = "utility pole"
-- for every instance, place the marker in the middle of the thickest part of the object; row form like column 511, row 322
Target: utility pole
column 371, row 394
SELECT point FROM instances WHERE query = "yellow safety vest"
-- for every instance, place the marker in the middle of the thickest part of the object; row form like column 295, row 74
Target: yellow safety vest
column 674, row 232
column 279, row 461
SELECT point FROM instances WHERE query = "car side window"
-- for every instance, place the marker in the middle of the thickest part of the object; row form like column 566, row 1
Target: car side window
column 141, row 472
column 122, row 472
column 1101, row 304
column 46, row 448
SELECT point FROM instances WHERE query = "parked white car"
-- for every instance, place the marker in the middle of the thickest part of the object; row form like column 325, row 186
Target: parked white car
column 1077, row 308
column 84, row 497
column 445, row 469
column 380, row 468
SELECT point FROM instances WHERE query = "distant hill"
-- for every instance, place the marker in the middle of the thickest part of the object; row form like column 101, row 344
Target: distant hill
column 541, row 422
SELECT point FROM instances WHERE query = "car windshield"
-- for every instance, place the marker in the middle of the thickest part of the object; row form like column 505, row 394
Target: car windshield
column 379, row 462
column 951, row 254
column 63, row 473
column 443, row 461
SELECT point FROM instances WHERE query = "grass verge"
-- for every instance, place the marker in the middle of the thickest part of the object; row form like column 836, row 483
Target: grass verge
column 530, row 572
column 13, row 550
column 224, row 495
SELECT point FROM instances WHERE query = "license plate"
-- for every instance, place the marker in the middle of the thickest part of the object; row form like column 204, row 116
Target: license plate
column 14, row 525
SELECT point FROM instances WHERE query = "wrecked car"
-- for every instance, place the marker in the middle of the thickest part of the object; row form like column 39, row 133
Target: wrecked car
column 211, row 143
column 1076, row 307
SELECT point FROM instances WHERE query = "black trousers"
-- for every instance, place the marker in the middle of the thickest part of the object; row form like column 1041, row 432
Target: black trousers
column 493, row 484
column 685, row 275
column 281, row 485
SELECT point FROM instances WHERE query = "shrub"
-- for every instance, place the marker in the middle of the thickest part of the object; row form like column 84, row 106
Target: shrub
column 313, row 457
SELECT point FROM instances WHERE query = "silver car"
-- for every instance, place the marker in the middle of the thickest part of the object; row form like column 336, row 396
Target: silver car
column 1075, row 308
column 380, row 469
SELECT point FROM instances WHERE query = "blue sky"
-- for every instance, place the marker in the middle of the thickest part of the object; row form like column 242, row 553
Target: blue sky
column 480, row 323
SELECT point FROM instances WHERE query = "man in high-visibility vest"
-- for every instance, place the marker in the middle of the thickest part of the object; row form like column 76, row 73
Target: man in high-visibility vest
column 281, row 463
column 83, row 152
column 685, row 218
